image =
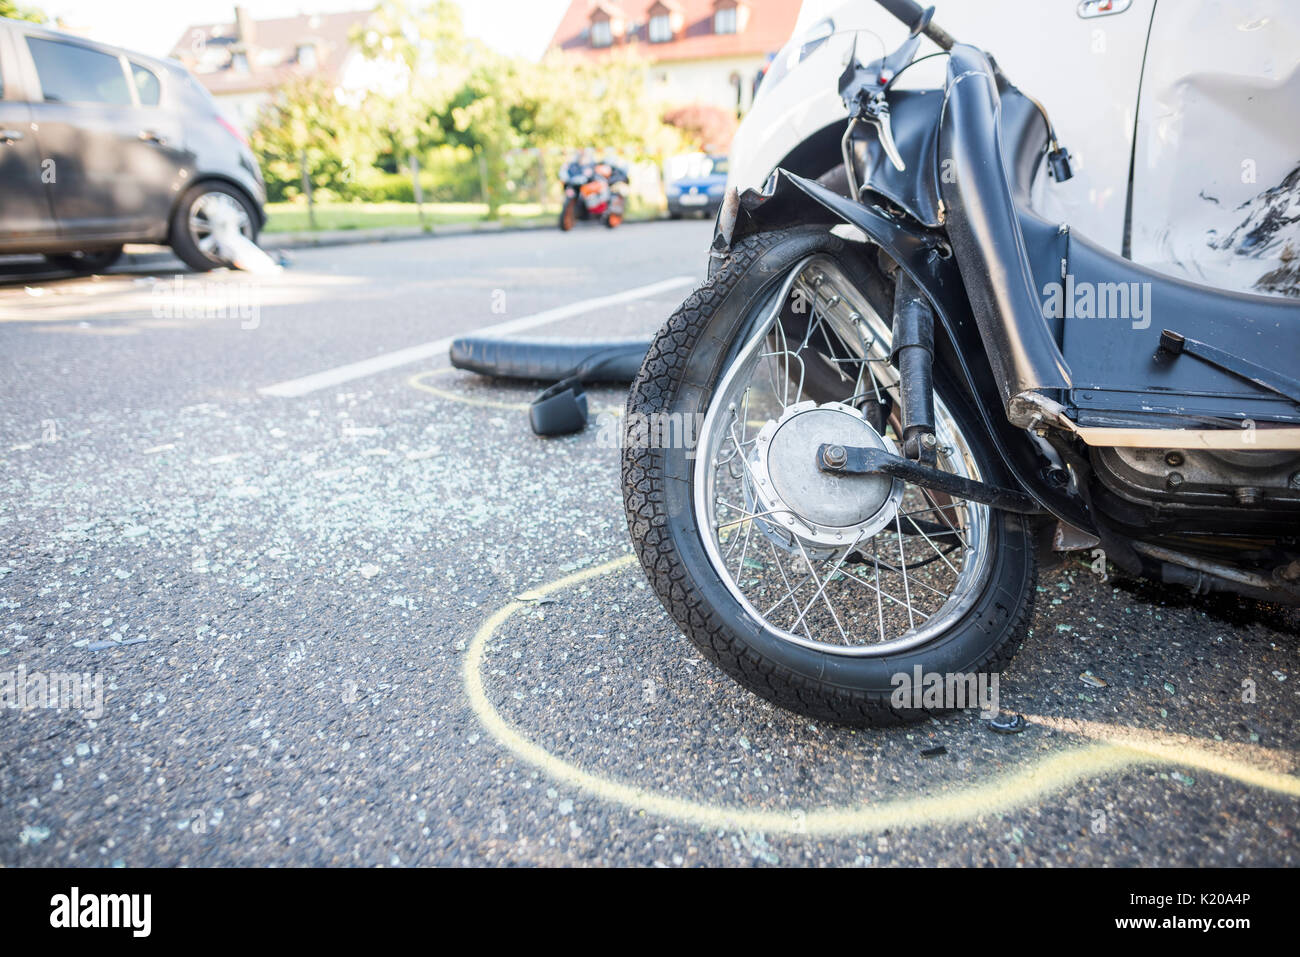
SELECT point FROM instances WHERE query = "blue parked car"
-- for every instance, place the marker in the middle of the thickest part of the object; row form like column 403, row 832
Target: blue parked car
column 697, row 185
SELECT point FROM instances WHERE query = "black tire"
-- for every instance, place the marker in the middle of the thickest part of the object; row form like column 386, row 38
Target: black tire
column 89, row 261
column 184, row 245
column 681, row 370
column 568, row 215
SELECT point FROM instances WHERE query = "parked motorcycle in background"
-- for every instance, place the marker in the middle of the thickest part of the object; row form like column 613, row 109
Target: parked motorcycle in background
column 843, row 450
column 593, row 190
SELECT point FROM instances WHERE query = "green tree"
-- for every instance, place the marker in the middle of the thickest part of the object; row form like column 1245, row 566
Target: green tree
column 306, row 121
column 558, row 105
column 486, row 115
column 431, row 91
column 576, row 103
column 10, row 9
column 418, row 53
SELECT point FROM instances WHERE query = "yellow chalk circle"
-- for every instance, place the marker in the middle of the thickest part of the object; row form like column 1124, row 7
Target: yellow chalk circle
column 1005, row 792
column 421, row 381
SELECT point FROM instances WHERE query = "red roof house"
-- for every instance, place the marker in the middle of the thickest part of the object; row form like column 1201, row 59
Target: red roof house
column 703, row 50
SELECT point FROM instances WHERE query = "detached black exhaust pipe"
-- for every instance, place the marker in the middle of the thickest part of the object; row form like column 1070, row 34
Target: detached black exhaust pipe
column 549, row 360
column 569, row 363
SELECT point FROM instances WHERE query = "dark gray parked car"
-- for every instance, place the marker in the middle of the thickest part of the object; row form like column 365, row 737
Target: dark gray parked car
column 100, row 147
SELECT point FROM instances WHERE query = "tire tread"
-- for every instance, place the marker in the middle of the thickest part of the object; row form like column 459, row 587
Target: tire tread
column 644, row 497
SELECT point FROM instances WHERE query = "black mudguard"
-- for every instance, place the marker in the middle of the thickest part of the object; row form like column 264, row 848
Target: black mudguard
column 991, row 242
column 1105, row 365
column 925, row 255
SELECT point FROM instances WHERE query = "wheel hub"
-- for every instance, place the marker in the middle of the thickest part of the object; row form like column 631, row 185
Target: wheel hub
column 800, row 503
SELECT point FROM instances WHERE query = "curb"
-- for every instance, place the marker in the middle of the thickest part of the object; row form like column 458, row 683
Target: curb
column 345, row 237
column 152, row 255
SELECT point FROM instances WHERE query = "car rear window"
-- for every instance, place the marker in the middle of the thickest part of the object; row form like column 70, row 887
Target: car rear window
column 70, row 73
column 146, row 85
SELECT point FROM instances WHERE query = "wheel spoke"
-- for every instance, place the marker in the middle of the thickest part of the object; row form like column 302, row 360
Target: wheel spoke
column 880, row 607
column 773, row 550
column 749, row 517
column 880, row 594
column 821, row 588
column 941, row 554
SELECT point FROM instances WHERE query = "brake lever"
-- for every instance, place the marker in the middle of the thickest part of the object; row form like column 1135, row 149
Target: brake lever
column 876, row 112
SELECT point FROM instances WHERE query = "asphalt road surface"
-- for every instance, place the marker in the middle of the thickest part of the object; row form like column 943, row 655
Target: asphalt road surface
column 368, row 618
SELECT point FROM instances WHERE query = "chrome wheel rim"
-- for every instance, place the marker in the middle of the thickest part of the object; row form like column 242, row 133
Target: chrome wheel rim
column 210, row 215
column 899, row 580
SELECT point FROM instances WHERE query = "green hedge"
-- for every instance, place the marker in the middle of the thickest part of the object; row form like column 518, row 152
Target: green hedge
column 448, row 174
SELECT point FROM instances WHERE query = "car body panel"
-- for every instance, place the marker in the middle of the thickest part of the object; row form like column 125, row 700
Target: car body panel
column 1087, row 76
column 698, row 186
column 1216, row 187
column 115, row 171
column 1194, row 100
column 25, row 212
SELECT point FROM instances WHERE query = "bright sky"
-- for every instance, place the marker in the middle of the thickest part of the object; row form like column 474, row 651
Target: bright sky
column 521, row 27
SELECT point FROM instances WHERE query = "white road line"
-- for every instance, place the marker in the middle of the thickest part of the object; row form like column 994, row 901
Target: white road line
column 391, row 360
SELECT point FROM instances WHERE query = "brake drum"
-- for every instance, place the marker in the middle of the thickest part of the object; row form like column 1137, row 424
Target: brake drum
column 801, row 504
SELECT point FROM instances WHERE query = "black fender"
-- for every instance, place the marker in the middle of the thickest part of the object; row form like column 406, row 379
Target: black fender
column 988, row 234
column 992, row 139
column 925, row 255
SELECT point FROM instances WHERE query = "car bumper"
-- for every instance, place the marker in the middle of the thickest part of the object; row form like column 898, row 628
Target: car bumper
column 710, row 208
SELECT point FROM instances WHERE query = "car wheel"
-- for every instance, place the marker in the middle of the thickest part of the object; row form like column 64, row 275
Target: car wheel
column 203, row 212
column 87, row 261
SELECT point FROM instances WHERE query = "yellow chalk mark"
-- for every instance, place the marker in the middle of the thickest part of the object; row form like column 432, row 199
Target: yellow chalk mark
column 417, row 381
column 1004, row 793
column 1267, row 768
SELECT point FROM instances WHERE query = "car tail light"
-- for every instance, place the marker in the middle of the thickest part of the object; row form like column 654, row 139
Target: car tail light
column 232, row 129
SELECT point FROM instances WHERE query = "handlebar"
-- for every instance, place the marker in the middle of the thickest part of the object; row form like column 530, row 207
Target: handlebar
column 918, row 20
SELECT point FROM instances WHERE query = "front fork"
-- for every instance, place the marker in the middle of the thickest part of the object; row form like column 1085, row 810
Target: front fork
column 912, row 353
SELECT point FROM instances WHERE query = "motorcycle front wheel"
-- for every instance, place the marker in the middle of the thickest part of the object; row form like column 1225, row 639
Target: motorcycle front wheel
column 569, row 214
column 815, row 591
